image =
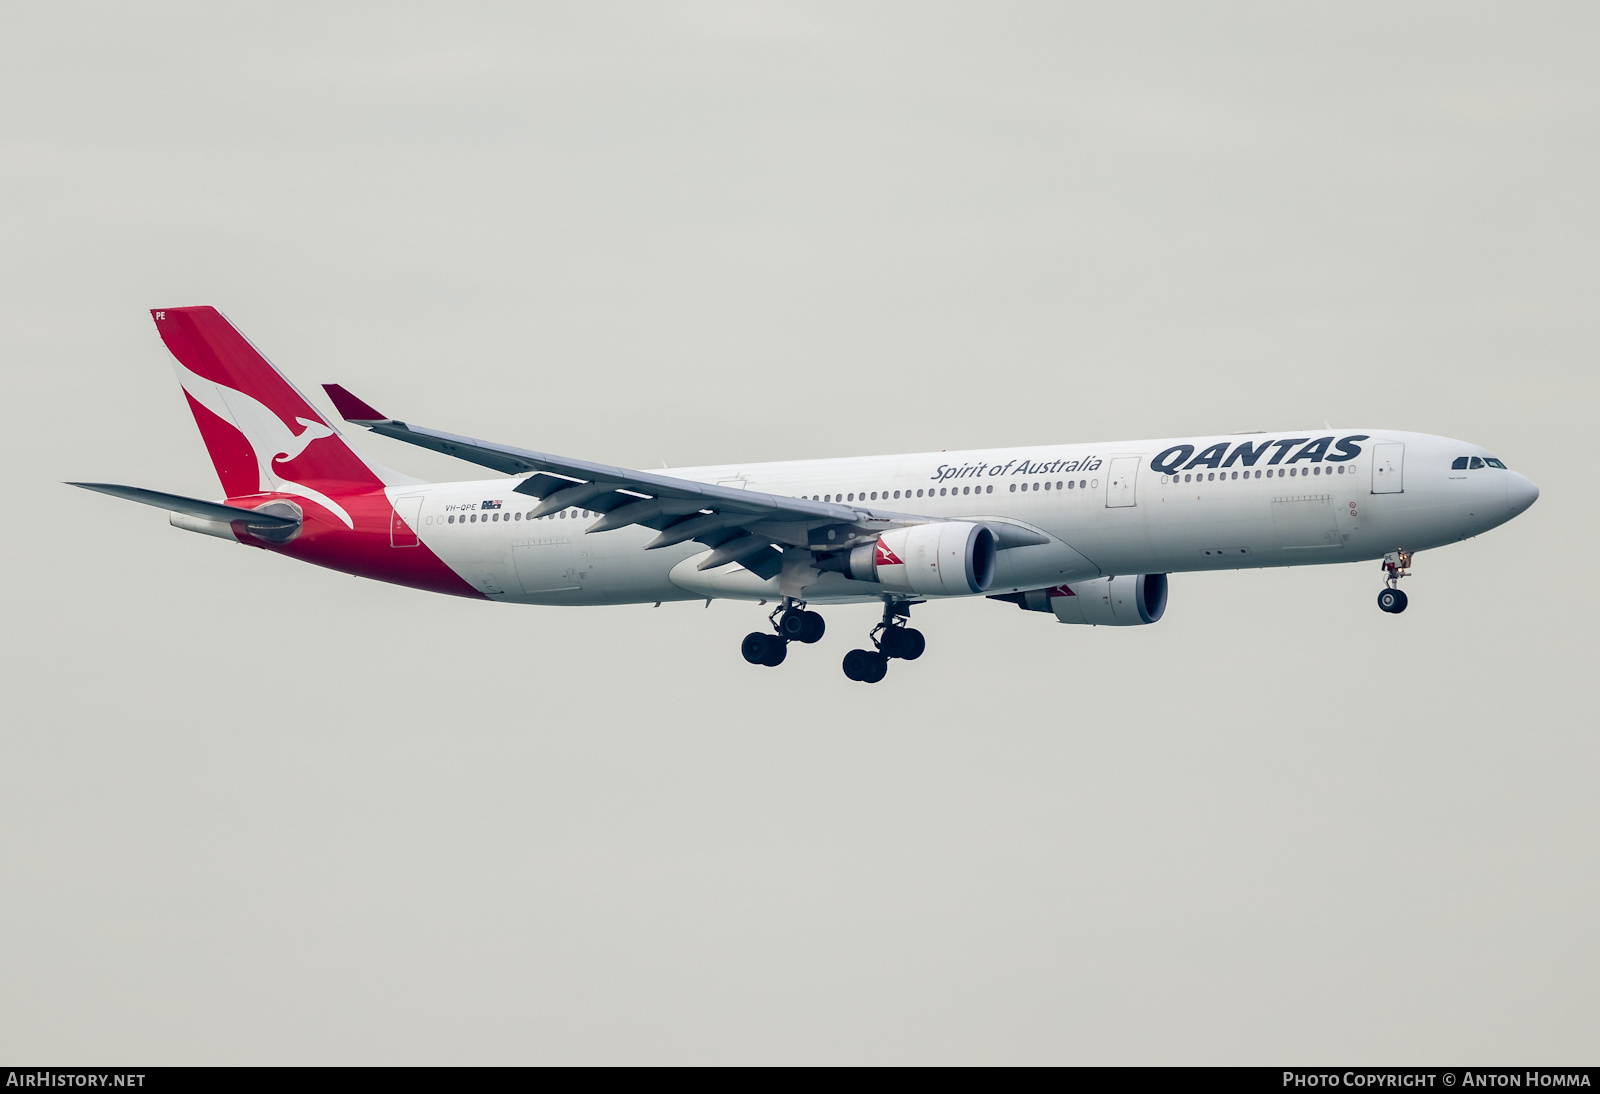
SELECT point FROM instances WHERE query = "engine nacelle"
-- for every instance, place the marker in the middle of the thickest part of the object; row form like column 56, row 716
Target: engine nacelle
column 1127, row 600
column 949, row 559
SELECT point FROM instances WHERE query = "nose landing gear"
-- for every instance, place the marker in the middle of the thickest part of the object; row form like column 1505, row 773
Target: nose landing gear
column 1396, row 564
column 892, row 639
column 793, row 624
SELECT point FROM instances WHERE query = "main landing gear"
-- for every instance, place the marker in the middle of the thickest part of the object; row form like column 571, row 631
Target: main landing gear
column 1396, row 564
column 793, row 624
column 891, row 638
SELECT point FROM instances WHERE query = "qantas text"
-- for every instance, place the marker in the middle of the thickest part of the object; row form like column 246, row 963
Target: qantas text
column 1248, row 453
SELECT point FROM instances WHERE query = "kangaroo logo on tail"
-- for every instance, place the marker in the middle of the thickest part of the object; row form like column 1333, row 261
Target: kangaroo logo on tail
column 256, row 426
column 266, row 434
column 315, row 431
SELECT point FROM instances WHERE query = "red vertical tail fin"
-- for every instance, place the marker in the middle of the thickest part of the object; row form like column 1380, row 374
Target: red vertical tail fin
column 262, row 434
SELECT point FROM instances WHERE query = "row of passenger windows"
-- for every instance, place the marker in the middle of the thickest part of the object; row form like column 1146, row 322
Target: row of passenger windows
column 1060, row 484
column 1081, row 484
column 1292, row 471
column 864, row 495
column 1461, row 463
column 876, row 494
column 472, row 518
column 943, row 491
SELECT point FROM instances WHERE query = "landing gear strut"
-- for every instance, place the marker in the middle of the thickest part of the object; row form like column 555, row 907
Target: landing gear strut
column 1396, row 564
column 890, row 638
column 792, row 623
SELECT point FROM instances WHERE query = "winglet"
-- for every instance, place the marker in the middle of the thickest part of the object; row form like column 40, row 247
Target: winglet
column 350, row 408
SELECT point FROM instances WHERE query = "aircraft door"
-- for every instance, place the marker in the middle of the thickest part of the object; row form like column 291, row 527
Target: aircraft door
column 1120, row 481
column 1388, row 467
column 404, row 521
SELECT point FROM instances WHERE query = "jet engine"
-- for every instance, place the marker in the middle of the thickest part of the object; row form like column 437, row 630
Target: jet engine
column 1125, row 600
column 949, row 559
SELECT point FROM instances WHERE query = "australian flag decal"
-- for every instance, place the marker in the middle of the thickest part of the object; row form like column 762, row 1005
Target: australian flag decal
column 490, row 505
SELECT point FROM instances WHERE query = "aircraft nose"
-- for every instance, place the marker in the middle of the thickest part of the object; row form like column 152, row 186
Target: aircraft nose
column 1520, row 493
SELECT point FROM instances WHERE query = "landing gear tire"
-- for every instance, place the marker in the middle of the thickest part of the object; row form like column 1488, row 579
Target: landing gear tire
column 906, row 643
column 764, row 649
column 867, row 666
column 1392, row 601
column 815, row 627
column 799, row 625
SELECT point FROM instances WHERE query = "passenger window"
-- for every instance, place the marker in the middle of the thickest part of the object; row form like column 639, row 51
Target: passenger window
column 1047, row 486
column 1013, row 488
column 1069, row 481
column 919, row 493
column 990, row 489
column 1476, row 463
column 452, row 520
column 874, row 495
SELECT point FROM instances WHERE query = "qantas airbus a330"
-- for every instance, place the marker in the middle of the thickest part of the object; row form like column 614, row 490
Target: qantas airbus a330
column 1085, row 532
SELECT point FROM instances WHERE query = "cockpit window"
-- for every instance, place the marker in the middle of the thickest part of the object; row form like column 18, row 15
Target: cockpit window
column 1492, row 462
column 1459, row 464
column 1476, row 463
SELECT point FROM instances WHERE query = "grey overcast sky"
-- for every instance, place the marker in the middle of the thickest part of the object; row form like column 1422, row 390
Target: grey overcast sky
column 251, row 811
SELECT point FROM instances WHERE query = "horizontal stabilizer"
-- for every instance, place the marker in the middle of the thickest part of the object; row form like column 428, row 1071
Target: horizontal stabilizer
column 194, row 507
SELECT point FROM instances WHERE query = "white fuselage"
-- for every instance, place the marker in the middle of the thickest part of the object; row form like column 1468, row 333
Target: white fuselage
column 1105, row 508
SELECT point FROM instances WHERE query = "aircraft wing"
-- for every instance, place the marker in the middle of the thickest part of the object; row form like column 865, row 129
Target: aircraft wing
column 738, row 525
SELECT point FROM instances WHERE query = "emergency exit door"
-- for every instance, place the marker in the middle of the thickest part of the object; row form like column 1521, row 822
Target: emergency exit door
column 404, row 520
column 1119, row 481
column 1388, row 468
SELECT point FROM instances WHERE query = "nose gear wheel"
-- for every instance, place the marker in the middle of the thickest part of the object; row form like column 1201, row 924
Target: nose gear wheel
column 1396, row 564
